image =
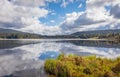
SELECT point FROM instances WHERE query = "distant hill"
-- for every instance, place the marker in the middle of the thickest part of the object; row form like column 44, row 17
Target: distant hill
column 98, row 34
column 101, row 32
column 13, row 34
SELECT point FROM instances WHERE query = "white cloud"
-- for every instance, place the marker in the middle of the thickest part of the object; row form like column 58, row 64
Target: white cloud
column 70, row 18
column 101, row 3
column 51, row 0
column 53, row 13
column 52, row 21
column 64, row 3
column 80, row 6
column 97, row 11
column 95, row 17
column 11, row 12
column 24, row 16
column 30, row 3
column 79, row 22
column 36, row 27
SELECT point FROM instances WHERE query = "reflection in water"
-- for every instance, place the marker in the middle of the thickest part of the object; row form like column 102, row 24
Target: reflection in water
column 28, row 60
column 49, row 54
column 27, row 73
column 93, row 43
column 4, row 44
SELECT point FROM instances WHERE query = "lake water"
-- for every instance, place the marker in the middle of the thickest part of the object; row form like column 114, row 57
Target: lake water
column 21, row 58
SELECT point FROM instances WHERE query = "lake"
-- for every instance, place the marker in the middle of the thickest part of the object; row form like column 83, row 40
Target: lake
column 25, row 58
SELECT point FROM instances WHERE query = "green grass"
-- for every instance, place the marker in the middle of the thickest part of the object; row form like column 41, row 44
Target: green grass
column 77, row 66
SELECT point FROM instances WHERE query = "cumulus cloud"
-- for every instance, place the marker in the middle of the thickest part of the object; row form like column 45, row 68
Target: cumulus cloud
column 80, row 22
column 30, row 3
column 101, row 3
column 10, row 13
column 95, row 17
column 115, row 12
column 24, row 15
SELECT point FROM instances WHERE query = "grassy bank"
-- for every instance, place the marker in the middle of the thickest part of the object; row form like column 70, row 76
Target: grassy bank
column 77, row 66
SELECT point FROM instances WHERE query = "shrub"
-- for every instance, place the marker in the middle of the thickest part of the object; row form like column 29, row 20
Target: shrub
column 87, row 71
column 50, row 66
column 110, row 74
column 116, row 69
column 77, row 66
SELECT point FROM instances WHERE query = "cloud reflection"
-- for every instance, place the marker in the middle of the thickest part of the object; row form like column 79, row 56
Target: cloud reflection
column 32, row 56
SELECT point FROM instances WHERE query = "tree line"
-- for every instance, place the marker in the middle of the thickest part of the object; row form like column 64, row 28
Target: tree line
column 18, row 35
column 82, row 36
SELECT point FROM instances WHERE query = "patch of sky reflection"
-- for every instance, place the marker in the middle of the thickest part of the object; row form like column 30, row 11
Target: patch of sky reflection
column 48, row 55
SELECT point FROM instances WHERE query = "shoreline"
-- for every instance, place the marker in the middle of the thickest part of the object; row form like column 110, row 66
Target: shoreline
column 59, row 39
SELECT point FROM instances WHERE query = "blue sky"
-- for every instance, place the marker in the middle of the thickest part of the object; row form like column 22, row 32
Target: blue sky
column 56, row 17
column 58, row 12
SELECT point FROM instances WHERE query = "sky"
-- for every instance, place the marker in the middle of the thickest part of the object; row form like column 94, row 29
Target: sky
column 58, row 17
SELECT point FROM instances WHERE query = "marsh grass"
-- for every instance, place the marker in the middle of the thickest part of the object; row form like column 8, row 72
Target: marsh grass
column 77, row 66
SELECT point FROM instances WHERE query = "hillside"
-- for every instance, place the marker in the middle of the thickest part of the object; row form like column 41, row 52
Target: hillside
column 13, row 34
column 98, row 34
column 101, row 32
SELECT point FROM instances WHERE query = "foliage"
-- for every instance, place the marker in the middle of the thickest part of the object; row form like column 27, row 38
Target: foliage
column 18, row 35
column 77, row 66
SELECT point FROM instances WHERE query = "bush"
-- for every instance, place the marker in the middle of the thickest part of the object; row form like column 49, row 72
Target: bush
column 50, row 66
column 110, row 74
column 87, row 71
column 116, row 69
column 77, row 66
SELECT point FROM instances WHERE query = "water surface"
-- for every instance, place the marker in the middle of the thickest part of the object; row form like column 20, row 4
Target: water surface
column 26, row 58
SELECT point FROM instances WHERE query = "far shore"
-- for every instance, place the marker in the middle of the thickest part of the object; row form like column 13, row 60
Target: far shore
column 90, row 39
